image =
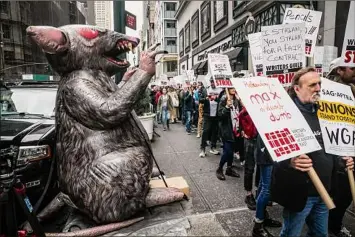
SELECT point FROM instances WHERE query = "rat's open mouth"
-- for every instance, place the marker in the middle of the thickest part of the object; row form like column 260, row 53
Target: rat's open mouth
column 122, row 46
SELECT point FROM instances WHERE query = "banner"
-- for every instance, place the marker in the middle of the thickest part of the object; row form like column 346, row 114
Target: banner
column 283, row 51
column 281, row 125
column 348, row 53
column 336, row 115
column 318, row 59
column 311, row 19
column 220, row 69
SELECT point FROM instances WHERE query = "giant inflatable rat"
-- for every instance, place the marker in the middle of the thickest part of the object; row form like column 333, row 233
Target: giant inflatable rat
column 104, row 159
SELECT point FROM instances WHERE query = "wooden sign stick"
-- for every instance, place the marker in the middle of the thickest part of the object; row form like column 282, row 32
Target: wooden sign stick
column 352, row 184
column 321, row 189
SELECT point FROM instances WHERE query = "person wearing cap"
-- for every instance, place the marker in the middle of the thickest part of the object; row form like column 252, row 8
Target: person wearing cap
column 342, row 194
column 341, row 74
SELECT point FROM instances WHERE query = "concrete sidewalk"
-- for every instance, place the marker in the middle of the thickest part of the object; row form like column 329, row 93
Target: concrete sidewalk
column 216, row 208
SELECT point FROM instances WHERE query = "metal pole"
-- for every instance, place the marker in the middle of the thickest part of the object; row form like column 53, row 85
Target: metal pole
column 119, row 26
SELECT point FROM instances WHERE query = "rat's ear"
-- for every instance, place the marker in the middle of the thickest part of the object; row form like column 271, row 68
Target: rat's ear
column 50, row 39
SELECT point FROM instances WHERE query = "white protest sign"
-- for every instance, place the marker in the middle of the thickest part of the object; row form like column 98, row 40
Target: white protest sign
column 281, row 125
column 283, row 51
column 348, row 53
column 336, row 115
column 311, row 19
column 220, row 69
column 256, row 53
column 190, row 75
column 318, row 59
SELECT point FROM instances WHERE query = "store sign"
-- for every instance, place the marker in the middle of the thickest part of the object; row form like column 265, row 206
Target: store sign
column 131, row 20
column 223, row 46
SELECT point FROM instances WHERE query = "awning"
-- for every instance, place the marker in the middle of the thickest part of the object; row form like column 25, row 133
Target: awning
column 234, row 53
column 194, row 67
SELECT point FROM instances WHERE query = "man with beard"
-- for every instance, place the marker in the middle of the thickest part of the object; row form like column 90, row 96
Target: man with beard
column 292, row 187
column 341, row 192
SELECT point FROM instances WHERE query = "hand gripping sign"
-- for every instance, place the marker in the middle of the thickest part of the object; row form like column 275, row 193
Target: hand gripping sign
column 336, row 115
column 281, row 125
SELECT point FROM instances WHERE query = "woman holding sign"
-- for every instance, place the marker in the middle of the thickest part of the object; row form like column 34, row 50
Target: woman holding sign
column 226, row 106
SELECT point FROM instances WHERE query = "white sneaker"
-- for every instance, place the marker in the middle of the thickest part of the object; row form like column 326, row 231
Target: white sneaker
column 202, row 154
column 198, row 136
column 242, row 163
column 214, row 152
column 345, row 232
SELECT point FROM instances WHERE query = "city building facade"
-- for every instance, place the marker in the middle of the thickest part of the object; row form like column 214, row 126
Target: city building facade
column 104, row 14
column 165, row 32
column 222, row 27
column 19, row 56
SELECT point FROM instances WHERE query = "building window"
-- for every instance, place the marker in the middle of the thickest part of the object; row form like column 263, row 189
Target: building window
column 220, row 15
column 171, row 66
column 195, row 29
column 237, row 8
column 267, row 18
column 170, row 28
column 6, row 29
column 9, row 55
column 181, row 42
column 28, row 58
column 4, row 7
column 170, row 45
column 170, row 6
column 187, row 37
column 205, row 20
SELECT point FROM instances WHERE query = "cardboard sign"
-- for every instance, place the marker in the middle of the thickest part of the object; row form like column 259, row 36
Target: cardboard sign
column 281, row 125
column 220, row 69
column 283, row 51
column 336, row 115
column 256, row 53
column 311, row 20
column 348, row 53
column 318, row 59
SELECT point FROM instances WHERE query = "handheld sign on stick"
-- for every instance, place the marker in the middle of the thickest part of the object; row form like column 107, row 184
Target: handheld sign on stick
column 337, row 121
column 281, row 125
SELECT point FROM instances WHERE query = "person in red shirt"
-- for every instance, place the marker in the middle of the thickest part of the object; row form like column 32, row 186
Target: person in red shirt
column 157, row 96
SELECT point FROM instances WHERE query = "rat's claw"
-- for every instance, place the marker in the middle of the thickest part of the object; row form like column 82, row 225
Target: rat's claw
column 154, row 46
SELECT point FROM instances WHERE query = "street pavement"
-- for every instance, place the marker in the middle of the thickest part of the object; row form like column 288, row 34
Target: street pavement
column 215, row 208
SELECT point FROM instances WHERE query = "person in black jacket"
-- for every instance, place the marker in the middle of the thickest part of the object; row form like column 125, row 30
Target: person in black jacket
column 225, row 108
column 265, row 163
column 188, row 108
column 291, row 186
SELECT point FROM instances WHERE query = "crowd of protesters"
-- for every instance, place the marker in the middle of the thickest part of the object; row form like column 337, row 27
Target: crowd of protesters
column 219, row 117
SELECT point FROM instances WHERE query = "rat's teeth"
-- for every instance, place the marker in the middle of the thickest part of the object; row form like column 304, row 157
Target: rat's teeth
column 130, row 46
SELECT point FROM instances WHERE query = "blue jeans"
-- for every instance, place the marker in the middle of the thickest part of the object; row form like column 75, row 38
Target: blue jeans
column 227, row 155
column 188, row 120
column 315, row 215
column 263, row 190
column 165, row 117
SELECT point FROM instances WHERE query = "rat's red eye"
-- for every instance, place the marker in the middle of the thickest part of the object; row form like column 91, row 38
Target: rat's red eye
column 88, row 33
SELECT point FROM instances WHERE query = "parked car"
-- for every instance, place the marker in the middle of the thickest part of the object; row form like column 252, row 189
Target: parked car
column 28, row 125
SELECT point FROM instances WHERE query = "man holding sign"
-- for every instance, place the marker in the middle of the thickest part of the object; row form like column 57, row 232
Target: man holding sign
column 305, row 92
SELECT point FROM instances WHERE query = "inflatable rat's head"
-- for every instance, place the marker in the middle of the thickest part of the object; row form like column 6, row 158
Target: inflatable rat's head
column 74, row 47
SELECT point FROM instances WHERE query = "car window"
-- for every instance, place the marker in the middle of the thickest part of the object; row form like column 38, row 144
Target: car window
column 32, row 100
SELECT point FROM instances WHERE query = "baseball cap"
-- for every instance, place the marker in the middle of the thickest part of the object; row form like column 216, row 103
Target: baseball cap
column 334, row 65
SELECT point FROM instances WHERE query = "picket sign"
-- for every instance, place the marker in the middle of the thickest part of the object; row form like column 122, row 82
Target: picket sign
column 283, row 51
column 279, row 122
column 256, row 53
column 319, row 59
column 311, row 19
column 337, row 122
column 348, row 53
column 220, row 70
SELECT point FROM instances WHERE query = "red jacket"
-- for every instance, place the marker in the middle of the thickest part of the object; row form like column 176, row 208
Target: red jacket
column 247, row 124
column 157, row 96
